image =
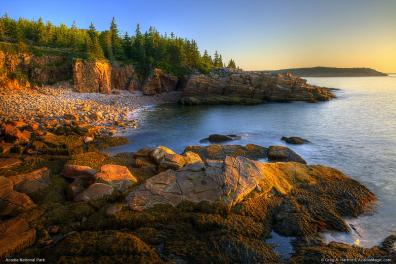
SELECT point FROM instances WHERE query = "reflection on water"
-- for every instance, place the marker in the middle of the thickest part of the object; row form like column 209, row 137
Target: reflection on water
column 355, row 133
column 282, row 245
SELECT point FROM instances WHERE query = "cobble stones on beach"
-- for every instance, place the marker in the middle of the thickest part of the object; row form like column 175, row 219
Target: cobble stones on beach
column 44, row 104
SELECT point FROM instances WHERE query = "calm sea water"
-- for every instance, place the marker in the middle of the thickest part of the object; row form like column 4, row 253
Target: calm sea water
column 355, row 133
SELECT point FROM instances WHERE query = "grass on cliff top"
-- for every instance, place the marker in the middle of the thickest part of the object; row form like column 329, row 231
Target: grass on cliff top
column 39, row 51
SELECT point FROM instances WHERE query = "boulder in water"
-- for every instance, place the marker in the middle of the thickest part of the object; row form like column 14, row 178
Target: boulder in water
column 281, row 153
column 295, row 140
column 218, row 138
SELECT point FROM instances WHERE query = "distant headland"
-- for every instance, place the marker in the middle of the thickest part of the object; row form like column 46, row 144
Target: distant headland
column 332, row 72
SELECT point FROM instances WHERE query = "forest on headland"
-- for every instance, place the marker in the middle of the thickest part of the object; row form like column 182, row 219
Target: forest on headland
column 145, row 50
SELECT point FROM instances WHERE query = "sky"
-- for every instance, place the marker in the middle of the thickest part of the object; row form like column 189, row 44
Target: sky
column 259, row 35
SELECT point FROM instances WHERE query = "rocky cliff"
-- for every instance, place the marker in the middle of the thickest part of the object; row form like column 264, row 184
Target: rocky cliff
column 92, row 76
column 18, row 70
column 159, row 82
column 225, row 86
column 124, row 77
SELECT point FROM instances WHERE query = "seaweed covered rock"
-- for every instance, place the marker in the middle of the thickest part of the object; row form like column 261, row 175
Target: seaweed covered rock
column 300, row 200
column 102, row 247
column 95, row 191
column 219, row 152
column 6, row 163
column 32, row 182
column 15, row 235
column 281, row 153
column 337, row 252
column 12, row 202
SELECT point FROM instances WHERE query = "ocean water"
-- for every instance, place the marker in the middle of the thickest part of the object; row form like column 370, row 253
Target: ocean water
column 355, row 133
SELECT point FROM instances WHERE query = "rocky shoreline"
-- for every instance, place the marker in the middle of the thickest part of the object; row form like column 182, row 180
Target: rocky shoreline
column 64, row 200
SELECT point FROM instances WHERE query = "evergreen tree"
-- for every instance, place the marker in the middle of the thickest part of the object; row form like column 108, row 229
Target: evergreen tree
column 146, row 50
column 232, row 64
column 115, row 40
column 127, row 46
column 94, row 50
column 218, row 60
column 105, row 42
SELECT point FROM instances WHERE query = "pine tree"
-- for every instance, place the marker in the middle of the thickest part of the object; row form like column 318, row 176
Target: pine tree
column 115, row 40
column 127, row 46
column 231, row 64
column 218, row 60
column 94, row 49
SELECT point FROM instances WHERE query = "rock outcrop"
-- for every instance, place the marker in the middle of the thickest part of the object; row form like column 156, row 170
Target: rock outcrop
column 303, row 199
column 224, row 86
column 92, row 76
column 124, row 77
column 159, row 82
column 19, row 70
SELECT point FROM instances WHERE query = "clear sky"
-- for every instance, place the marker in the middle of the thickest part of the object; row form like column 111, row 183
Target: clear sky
column 260, row 35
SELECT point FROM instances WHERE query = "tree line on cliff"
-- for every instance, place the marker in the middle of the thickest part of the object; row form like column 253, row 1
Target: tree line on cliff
column 146, row 50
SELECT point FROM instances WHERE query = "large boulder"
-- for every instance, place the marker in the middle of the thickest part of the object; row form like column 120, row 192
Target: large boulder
column 94, row 191
column 159, row 82
column 227, row 181
column 31, row 182
column 92, row 76
column 167, row 159
column 237, row 87
column 218, row 138
column 281, row 153
column 12, row 202
column 295, row 140
column 117, row 176
column 219, row 152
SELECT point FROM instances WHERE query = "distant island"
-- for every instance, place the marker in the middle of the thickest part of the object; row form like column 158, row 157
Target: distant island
column 332, row 72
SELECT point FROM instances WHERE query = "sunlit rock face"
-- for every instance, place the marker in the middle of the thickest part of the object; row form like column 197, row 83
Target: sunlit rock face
column 92, row 76
column 224, row 86
column 21, row 69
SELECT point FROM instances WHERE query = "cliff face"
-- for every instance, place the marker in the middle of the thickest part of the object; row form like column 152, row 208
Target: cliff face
column 124, row 78
column 238, row 87
column 92, row 76
column 18, row 70
column 159, row 82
